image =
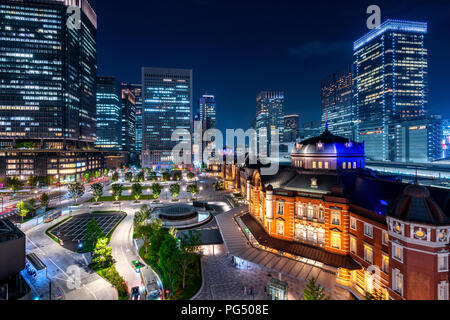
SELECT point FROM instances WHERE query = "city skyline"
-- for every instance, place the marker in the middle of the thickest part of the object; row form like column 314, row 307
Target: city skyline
column 298, row 62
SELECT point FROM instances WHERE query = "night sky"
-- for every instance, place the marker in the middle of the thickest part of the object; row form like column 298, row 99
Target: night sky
column 238, row 48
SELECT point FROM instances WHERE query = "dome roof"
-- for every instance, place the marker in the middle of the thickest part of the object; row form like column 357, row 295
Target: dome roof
column 328, row 144
column 416, row 191
column 417, row 205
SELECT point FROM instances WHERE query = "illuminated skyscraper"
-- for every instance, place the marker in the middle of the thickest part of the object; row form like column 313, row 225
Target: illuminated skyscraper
column 109, row 114
column 47, row 87
column 291, row 127
column 207, row 111
column 167, row 106
column 128, row 121
column 338, row 110
column 270, row 115
column 391, row 83
column 136, row 89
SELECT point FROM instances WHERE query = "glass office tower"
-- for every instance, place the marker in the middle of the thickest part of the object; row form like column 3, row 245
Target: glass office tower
column 109, row 114
column 47, row 86
column 136, row 89
column 291, row 127
column 128, row 121
column 270, row 115
column 338, row 111
column 167, row 106
column 391, row 83
column 207, row 110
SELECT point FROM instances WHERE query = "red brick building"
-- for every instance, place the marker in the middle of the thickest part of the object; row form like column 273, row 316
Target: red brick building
column 382, row 237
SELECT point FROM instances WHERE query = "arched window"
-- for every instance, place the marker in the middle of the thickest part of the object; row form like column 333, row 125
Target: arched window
column 310, row 212
column 299, row 210
column 321, row 217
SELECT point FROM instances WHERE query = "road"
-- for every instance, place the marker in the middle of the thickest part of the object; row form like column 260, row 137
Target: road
column 63, row 267
column 62, row 264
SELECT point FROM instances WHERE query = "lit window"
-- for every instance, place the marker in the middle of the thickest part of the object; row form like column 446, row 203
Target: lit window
column 368, row 230
column 443, row 290
column 344, row 165
column 336, row 240
column 280, row 228
column 320, row 165
column 397, row 252
column 354, row 165
column 397, row 281
column 314, row 165
column 280, row 208
column 336, row 218
column 443, row 262
column 385, row 264
column 385, row 238
column 353, row 245
column 310, row 212
column 368, row 254
column 353, row 224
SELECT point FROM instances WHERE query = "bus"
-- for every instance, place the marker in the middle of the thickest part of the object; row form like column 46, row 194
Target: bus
column 50, row 217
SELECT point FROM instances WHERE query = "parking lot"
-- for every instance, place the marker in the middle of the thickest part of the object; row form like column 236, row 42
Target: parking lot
column 73, row 231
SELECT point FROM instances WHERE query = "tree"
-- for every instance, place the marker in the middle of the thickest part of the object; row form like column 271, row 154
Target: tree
column 140, row 217
column 93, row 234
column 314, row 291
column 45, row 200
column 165, row 176
column 117, row 190
column 175, row 190
column 156, row 190
column 169, row 260
column 136, row 191
column 115, row 177
column 32, row 181
column 193, row 189
column 190, row 245
column 102, row 253
column 177, row 175
column 24, row 209
column 76, row 191
column 139, row 176
column 129, row 176
column 15, row 184
column 190, row 175
column 97, row 191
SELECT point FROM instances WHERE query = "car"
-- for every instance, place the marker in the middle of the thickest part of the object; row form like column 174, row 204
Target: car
column 135, row 293
column 155, row 295
column 137, row 265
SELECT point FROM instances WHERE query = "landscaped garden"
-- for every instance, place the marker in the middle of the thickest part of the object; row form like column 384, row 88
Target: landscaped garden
column 176, row 260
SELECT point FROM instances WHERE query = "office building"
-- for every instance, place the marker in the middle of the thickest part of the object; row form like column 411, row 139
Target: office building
column 128, row 121
column 47, row 101
column 167, row 107
column 338, row 109
column 419, row 140
column 391, row 83
column 270, row 116
column 310, row 129
column 136, row 89
column 109, row 114
column 12, row 261
column 208, row 112
column 291, row 127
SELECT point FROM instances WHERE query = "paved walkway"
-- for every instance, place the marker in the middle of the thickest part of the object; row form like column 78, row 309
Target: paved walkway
column 225, row 281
